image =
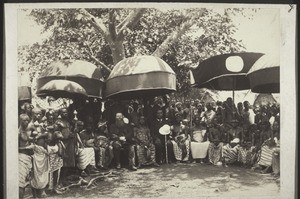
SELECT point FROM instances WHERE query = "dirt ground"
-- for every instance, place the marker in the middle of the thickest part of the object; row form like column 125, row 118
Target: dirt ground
column 181, row 180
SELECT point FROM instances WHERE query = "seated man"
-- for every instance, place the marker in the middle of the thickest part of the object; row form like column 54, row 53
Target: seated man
column 145, row 146
column 103, row 147
column 215, row 134
column 247, row 151
column 180, row 139
column 122, row 136
column 199, row 140
column 230, row 150
column 86, row 153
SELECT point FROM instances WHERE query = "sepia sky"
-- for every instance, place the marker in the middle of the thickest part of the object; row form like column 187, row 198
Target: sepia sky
column 261, row 34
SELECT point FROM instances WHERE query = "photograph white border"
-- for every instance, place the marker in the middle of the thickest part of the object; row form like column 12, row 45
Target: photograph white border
column 287, row 85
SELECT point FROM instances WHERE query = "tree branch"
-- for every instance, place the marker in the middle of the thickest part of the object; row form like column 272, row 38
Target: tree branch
column 130, row 21
column 100, row 63
column 174, row 36
column 97, row 23
column 112, row 25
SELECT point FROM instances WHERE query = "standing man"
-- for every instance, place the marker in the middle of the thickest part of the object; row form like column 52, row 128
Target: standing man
column 69, row 141
column 159, row 140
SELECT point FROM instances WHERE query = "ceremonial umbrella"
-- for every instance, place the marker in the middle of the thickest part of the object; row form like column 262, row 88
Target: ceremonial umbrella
column 139, row 77
column 63, row 88
column 225, row 72
column 84, row 73
column 264, row 75
column 24, row 87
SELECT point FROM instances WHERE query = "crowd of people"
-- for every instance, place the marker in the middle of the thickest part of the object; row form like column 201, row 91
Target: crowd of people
column 81, row 138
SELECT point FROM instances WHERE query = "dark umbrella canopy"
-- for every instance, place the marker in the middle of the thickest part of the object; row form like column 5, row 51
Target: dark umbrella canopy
column 139, row 77
column 84, row 73
column 62, row 88
column 213, row 74
column 264, row 75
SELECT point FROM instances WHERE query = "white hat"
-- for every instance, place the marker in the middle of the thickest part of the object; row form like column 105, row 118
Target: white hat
column 235, row 141
column 126, row 121
column 165, row 130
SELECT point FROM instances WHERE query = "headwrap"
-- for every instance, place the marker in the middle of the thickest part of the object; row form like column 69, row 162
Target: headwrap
column 178, row 103
column 80, row 123
column 24, row 117
column 36, row 110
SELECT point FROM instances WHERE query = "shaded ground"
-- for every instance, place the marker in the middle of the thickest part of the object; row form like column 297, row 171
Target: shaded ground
column 181, row 180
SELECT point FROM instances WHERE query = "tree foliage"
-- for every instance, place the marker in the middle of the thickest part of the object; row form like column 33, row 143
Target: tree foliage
column 105, row 36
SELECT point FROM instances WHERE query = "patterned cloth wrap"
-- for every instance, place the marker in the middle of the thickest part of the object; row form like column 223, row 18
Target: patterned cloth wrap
column 246, row 155
column 105, row 150
column 56, row 162
column 25, row 166
column 215, row 152
column 230, row 154
column 266, row 153
column 178, row 147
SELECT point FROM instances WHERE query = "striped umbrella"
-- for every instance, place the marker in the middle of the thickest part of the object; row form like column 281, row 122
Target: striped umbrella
column 140, row 76
column 264, row 75
column 84, row 73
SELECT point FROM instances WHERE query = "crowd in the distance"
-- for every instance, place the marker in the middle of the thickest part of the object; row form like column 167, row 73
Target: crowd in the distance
column 54, row 144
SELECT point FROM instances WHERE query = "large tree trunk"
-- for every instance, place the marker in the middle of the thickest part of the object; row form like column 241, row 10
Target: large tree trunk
column 117, row 50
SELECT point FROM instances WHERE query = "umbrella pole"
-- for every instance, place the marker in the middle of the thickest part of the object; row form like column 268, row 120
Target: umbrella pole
column 166, row 149
column 233, row 82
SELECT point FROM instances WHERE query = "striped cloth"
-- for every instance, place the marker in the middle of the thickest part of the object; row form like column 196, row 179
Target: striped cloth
column 56, row 162
column 230, row 154
column 86, row 156
column 214, row 153
column 178, row 151
column 146, row 156
column 25, row 166
column 246, row 156
column 266, row 156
